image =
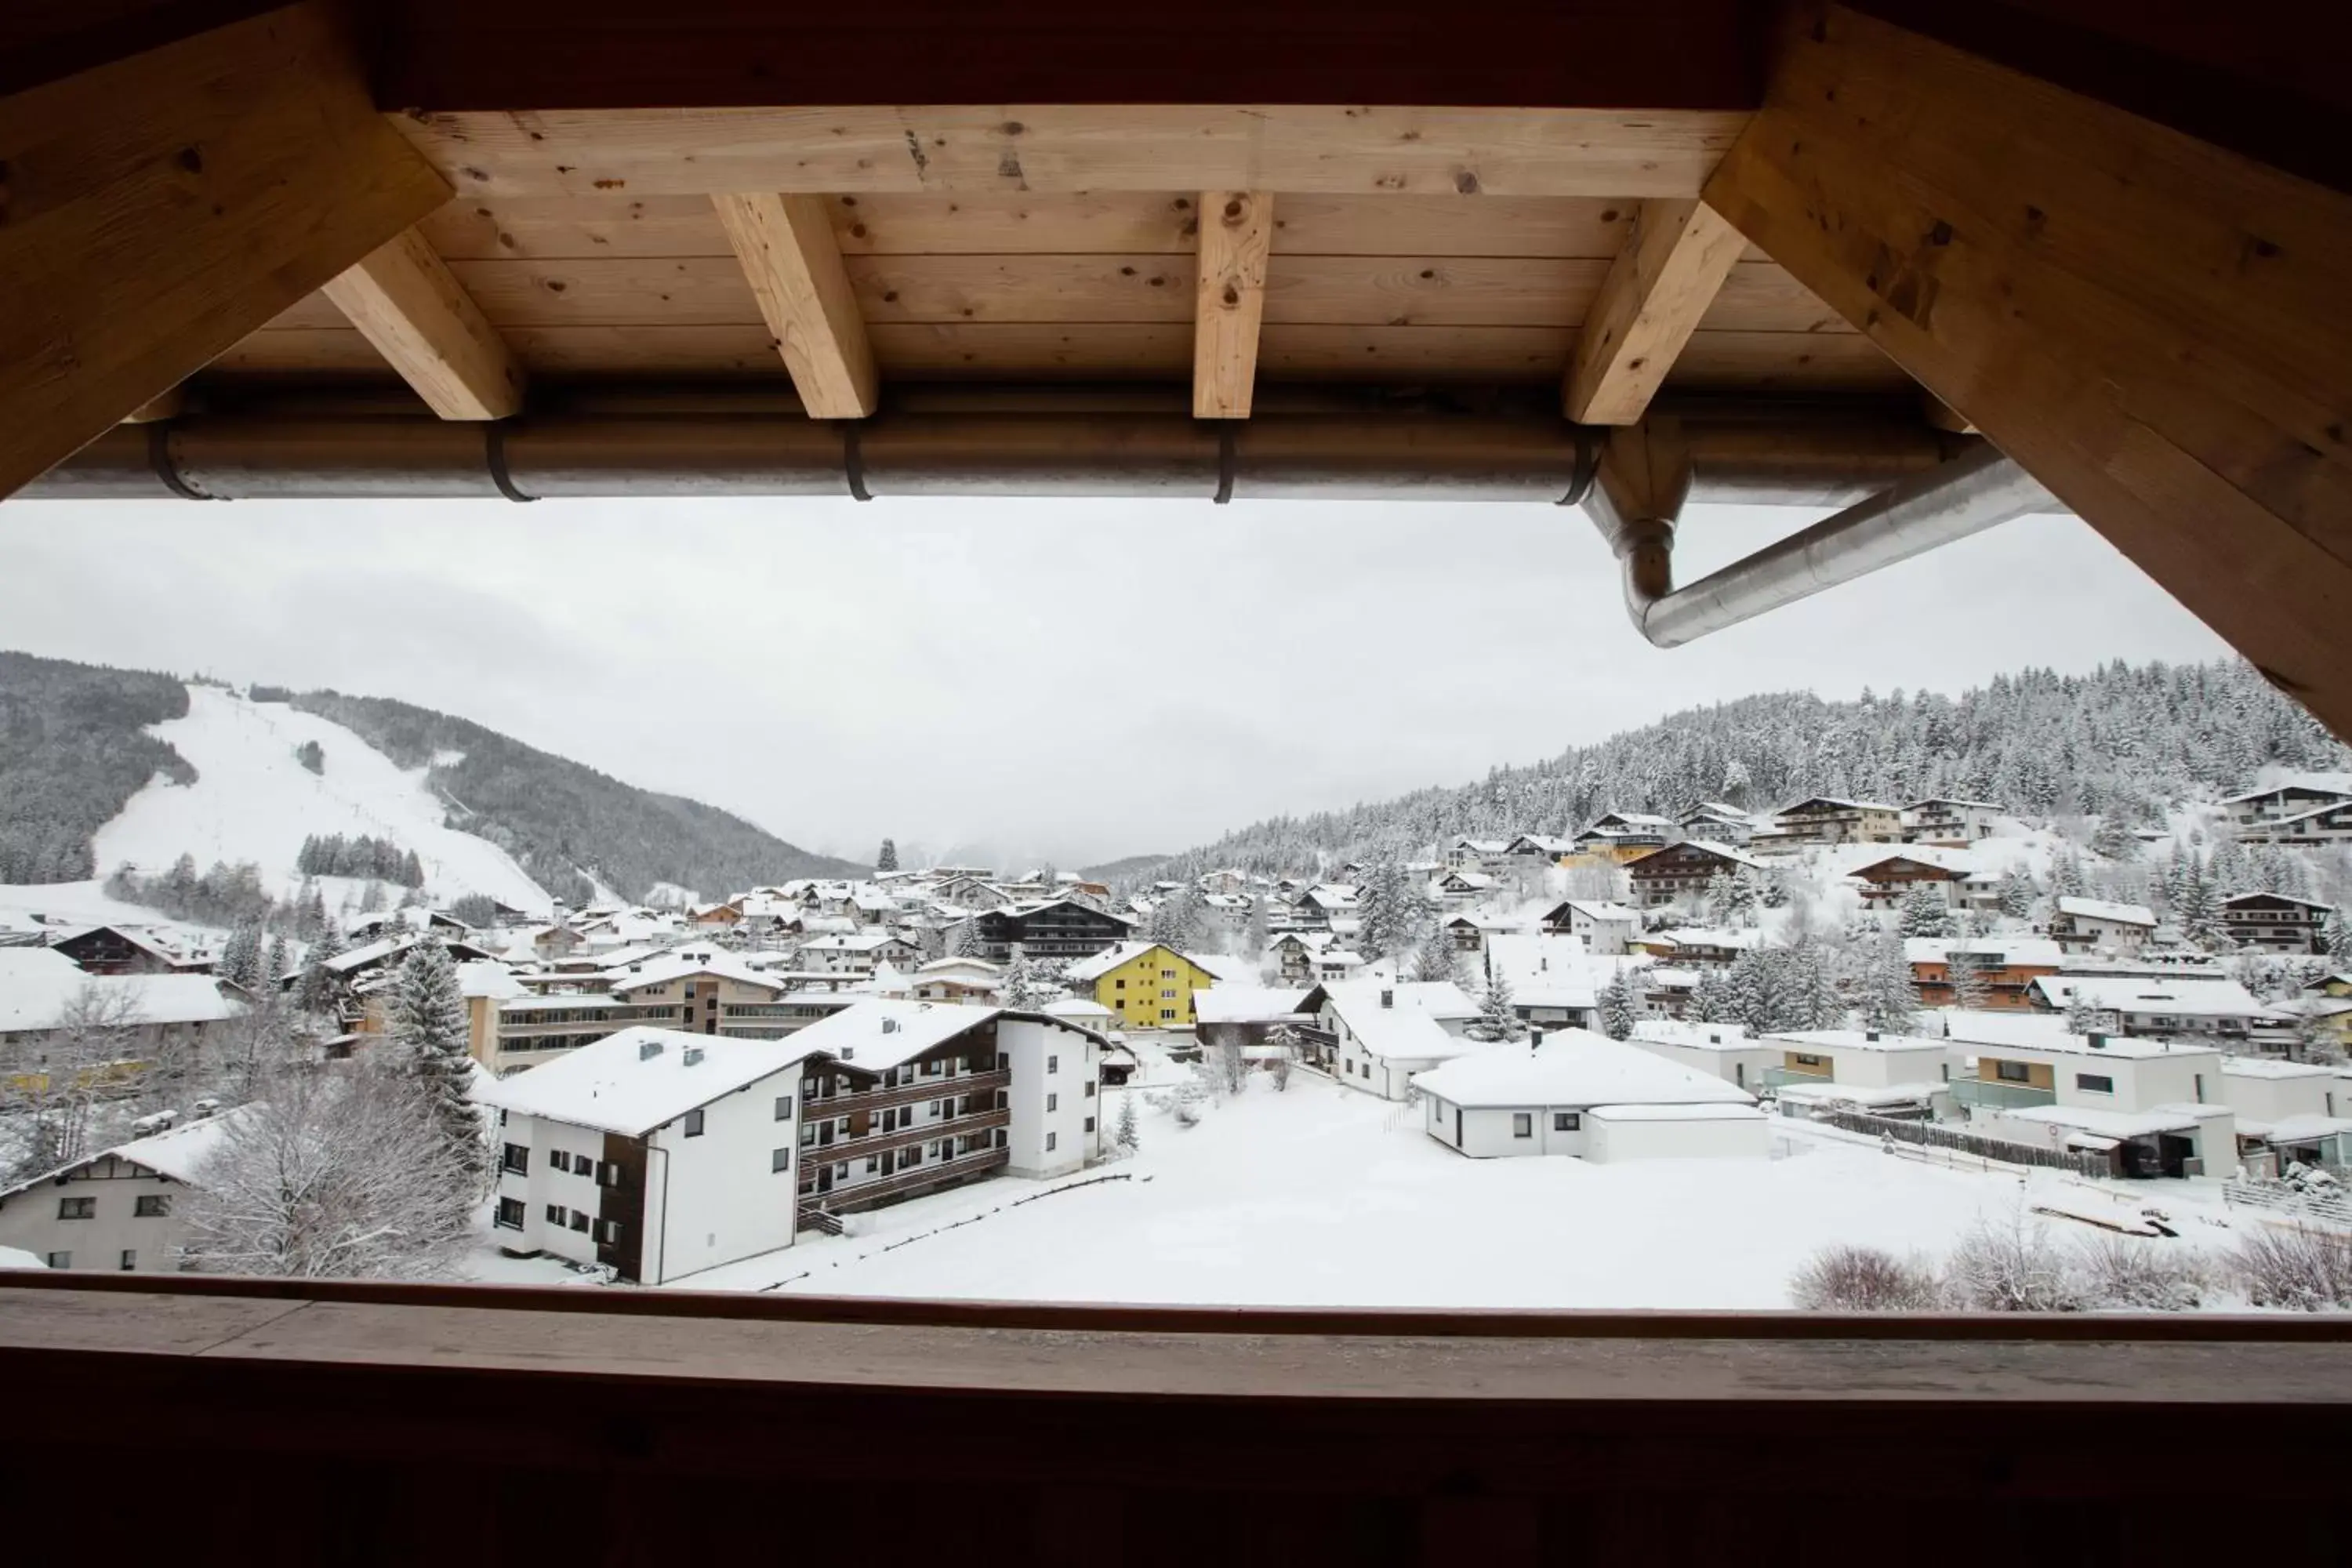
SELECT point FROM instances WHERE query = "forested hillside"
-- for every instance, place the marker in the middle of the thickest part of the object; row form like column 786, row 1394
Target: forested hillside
column 72, row 750
column 556, row 816
column 2124, row 742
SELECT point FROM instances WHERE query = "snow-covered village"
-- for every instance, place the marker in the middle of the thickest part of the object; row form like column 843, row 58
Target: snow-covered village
column 1704, row 1017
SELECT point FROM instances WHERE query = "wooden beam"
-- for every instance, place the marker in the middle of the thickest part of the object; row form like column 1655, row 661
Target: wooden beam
column 2158, row 329
column 786, row 246
column 156, row 209
column 162, row 405
column 1677, row 260
column 1332, row 149
column 404, row 300
column 1229, row 301
column 1943, row 416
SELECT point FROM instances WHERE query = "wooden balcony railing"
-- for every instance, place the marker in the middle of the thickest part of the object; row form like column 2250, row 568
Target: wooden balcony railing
column 942, row 1087
column 856, row 1147
column 858, row 1195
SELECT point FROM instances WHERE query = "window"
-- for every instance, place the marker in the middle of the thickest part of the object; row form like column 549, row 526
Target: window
column 1090, row 1124
column 1167, row 1012
column 60, row 1260
column 608, row 1232
column 579, row 1220
column 779, row 1160
column 1052, row 1064
column 2012, row 1072
column 1119, row 984
column 784, row 1108
column 873, row 1164
column 1568, row 1121
column 1805, row 1061
column 694, row 1124
column 1090, row 1088
column 76, row 1208
column 1049, row 1140
column 129, row 1259
column 608, row 1175
column 559, row 1159
column 154, row 1205
column 515, row 1158
column 555, row 1214
column 2094, row 1083
column 1523, row 1124
column 510, row 1213
column 1053, row 1102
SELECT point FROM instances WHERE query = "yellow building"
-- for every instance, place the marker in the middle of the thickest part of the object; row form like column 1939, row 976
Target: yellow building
column 1145, row 984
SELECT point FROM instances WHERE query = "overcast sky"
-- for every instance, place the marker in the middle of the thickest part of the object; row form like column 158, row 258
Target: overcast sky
column 1065, row 679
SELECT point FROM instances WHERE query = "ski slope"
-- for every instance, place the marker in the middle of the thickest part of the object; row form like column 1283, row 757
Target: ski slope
column 253, row 801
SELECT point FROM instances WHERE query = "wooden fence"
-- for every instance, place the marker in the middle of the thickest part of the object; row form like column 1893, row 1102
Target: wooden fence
column 1934, row 1136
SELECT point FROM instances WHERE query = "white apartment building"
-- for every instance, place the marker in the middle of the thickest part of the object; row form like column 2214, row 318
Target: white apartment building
column 662, row 1153
column 116, row 1210
column 1374, row 1035
column 1582, row 1094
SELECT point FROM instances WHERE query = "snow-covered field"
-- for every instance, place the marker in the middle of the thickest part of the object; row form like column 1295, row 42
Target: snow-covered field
column 1323, row 1195
column 254, row 801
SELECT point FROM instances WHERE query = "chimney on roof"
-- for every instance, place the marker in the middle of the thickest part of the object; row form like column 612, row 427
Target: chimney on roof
column 1388, row 997
column 889, row 1026
column 648, row 1049
column 693, row 1056
column 2098, row 1042
column 1870, row 1033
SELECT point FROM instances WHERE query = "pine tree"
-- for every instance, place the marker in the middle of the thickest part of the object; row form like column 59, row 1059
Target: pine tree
column 240, row 958
column 887, row 859
column 2337, row 931
column 1019, row 985
column 372, row 901
column 1126, row 1137
column 1253, row 933
column 1923, row 911
column 2082, row 1018
column 1711, row 998
column 1437, row 958
column 2113, row 840
column 2199, row 911
column 1496, row 1021
column 429, row 1025
column 1885, row 997
column 412, row 870
column 1391, row 911
column 964, row 938
column 2066, row 874
column 1966, row 969
column 1617, row 1007
column 2015, row 894
column 273, row 966
column 319, row 990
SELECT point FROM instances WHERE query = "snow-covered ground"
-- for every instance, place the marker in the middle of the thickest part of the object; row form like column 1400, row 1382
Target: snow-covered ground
column 1322, row 1195
column 254, row 801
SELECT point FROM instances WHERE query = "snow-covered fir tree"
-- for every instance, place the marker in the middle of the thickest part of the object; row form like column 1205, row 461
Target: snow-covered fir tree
column 1127, row 1137
column 319, row 990
column 2082, row 1018
column 1019, row 987
column 273, row 967
column 2015, row 894
column 2337, row 931
column 1437, row 958
column 429, row 1024
column 1922, row 911
column 887, row 858
column 1497, row 1020
column 240, row 958
column 2199, row 911
column 1391, row 910
column 1617, row 1007
column 1885, row 997
column 1711, row 999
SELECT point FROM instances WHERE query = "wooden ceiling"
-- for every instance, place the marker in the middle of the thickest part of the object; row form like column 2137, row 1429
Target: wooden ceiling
column 1082, row 285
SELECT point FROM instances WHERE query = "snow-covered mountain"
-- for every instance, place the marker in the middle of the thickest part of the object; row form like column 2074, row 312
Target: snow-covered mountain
column 255, row 800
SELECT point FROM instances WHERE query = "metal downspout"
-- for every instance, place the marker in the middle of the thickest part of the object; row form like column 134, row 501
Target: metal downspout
column 1978, row 491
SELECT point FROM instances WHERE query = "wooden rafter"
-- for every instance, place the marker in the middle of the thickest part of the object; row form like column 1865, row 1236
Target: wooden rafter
column 2157, row 329
column 786, row 247
column 1310, row 151
column 403, row 300
column 1676, row 260
column 1229, row 301
column 156, row 209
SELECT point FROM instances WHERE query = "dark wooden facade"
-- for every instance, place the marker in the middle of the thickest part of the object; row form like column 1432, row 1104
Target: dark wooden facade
column 1064, row 929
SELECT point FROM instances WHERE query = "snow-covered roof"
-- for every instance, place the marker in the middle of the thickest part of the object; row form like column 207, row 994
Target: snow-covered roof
column 880, row 1033
column 2028, row 952
column 613, row 1086
column 486, row 977
column 1713, row 847
column 1086, row 971
column 1574, row 1067
column 2273, row 1068
column 1827, row 1093
column 1472, row 879
column 1861, row 1040
column 35, row 964
column 1630, row 819
column 1704, row 936
column 2104, row 909
column 2119, row 1123
column 2317, row 783
column 1956, row 862
column 680, row 962
column 2006, row 1033
column 1604, row 910
column 1948, row 800
column 1083, row 1008
column 1687, row 1110
column 1223, row 968
column 37, row 996
column 179, row 1152
column 2304, row 1129
column 2232, row 903
column 2181, row 995
column 1543, row 971
column 1692, row 1035
column 1245, row 1004
column 17, row 1257
column 866, row 939
column 1834, row 803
